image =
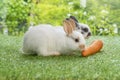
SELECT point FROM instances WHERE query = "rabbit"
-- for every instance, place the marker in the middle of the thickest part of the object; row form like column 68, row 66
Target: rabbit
column 83, row 28
column 46, row 40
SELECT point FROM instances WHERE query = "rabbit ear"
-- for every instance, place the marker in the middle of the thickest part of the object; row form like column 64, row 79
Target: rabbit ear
column 75, row 20
column 67, row 27
column 72, row 23
column 72, row 17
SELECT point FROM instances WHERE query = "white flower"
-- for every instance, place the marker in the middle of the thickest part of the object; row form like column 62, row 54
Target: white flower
column 85, row 13
column 115, row 28
column 83, row 3
column 75, row 12
column 68, row 14
column 5, row 31
column 104, row 11
column 92, row 18
column 70, row 3
column 114, row 25
column 101, row 30
column 106, row 29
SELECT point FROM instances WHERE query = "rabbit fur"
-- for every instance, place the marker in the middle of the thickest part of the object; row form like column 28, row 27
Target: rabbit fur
column 47, row 40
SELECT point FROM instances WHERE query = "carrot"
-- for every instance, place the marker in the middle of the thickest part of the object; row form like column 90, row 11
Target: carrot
column 95, row 47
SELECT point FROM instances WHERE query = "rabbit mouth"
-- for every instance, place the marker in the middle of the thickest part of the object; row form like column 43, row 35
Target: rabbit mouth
column 82, row 47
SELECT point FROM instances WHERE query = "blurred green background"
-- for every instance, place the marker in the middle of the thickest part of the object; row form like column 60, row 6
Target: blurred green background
column 16, row 16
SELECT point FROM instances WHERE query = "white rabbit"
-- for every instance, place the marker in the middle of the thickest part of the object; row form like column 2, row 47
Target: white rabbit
column 46, row 40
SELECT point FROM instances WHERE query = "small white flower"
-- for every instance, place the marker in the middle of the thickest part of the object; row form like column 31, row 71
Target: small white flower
column 85, row 13
column 104, row 12
column 83, row 3
column 116, row 30
column 70, row 3
column 101, row 30
column 75, row 12
column 92, row 18
column 5, row 31
column 68, row 14
column 114, row 25
column 106, row 29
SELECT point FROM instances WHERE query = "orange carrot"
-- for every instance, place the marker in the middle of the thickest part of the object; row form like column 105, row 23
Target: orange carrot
column 95, row 47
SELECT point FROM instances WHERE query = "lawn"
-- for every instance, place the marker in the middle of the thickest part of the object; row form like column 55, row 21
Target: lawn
column 104, row 65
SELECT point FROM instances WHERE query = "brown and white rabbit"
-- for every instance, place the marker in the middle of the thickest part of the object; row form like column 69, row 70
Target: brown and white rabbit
column 46, row 40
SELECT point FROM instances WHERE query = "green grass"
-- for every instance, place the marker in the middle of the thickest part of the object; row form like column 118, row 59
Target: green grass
column 104, row 65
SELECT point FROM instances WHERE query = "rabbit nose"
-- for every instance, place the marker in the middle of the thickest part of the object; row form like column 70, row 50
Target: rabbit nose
column 82, row 47
column 89, row 34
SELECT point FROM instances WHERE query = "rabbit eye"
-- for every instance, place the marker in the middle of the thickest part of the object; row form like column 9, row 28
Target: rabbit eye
column 85, row 29
column 82, row 32
column 77, row 40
